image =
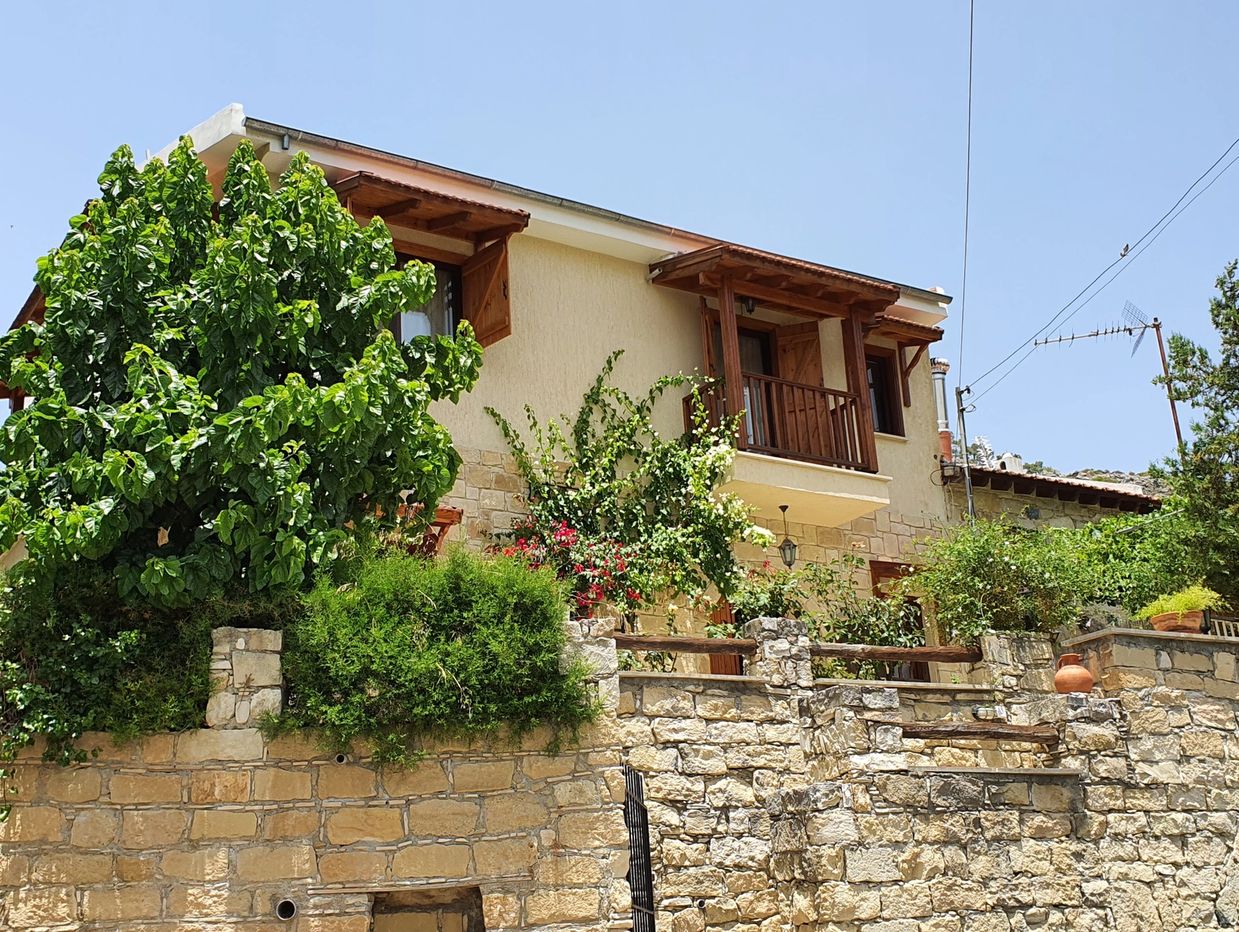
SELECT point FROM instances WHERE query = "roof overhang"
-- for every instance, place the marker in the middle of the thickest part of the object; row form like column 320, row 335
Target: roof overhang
column 792, row 285
column 1064, row 488
column 417, row 208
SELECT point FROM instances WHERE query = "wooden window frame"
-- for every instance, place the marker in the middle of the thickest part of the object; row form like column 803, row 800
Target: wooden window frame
column 406, row 251
column 892, row 390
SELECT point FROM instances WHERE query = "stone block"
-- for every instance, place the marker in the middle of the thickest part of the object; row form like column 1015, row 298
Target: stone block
column 201, row 864
column 420, row 861
column 141, row 789
column 120, row 903
column 289, row 824
column 433, row 818
column 152, row 828
column 346, row 781
column 505, row 856
column 277, row 783
column 240, row 744
column 548, row 907
column 42, row 907
column 591, row 831
column 73, row 784
column 424, row 779
column 352, row 866
column 872, row 864
column 364, row 824
column 32, row 824
column 72, row 868
column 262, row 863
column 255, row 670
column 514, row 811
column 94, row 828
column 486, row 775
column 219, row 786
column 223, row 823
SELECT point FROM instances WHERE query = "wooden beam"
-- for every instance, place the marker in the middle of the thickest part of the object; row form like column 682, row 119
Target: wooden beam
column 1033, row 734
column 791, row 299
column 941, row 654
column 685, row 645
column 450, row 220
column 732, row 379
column 854, row 365
column 398, row 208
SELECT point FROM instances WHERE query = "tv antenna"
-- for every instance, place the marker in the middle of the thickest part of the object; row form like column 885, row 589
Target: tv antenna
column 1135, row 325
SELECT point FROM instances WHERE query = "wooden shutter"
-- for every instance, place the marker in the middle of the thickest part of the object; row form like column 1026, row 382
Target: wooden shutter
column 801, row 423
column 484, row 293
column 800, row 354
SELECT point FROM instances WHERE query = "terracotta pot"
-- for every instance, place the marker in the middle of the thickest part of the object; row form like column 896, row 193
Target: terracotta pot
column 1188, row 622
column 1071, row 676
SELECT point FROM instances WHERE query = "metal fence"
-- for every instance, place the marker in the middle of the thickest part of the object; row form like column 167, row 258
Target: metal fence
column 640, row 869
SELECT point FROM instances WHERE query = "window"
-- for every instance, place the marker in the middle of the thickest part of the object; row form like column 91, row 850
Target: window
column 881, row 573
column 440, row 315
column 883, row 379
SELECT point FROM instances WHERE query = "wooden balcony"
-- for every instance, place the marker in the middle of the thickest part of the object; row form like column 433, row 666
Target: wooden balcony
column 796, row 421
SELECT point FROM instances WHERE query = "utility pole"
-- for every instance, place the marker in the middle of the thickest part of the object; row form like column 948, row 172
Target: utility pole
column 960, row 409
column 1174, row 412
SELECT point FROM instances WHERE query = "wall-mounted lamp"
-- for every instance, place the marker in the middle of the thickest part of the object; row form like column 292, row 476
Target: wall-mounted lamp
column 787, row 549
column 748, row 305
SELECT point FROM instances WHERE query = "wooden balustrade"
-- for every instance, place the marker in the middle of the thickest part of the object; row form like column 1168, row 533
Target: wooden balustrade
column 790, row 419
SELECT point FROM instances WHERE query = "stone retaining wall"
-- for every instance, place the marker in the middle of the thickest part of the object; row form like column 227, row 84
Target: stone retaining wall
column 774, row 802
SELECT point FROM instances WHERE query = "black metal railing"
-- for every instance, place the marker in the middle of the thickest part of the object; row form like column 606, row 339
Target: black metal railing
column 640, row 868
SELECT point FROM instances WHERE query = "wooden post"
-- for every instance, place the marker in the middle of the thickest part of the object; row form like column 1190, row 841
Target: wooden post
column 854, row 363
column 733, row 380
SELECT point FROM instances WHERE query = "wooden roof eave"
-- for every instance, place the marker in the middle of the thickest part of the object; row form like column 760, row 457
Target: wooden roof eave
column 427, row 210
column 785, row 284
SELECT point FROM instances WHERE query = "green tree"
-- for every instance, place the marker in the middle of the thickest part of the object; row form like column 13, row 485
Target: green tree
column 216, row 396
column 1205, row 472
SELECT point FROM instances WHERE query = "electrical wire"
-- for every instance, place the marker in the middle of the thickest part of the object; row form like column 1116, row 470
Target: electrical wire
column 1128, row 255
column 963, row 287
column 1132, row 257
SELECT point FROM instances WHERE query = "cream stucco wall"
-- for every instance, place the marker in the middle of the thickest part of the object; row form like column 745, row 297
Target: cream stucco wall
column 572, row 307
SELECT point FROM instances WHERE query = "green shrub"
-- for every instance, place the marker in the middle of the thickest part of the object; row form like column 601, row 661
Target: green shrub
column 1135, row 558
column 407, row 649
column 1191, row 599
column 992, row 576
column 75, row 657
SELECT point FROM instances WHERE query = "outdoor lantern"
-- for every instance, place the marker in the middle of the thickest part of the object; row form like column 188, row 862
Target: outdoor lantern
column 787, row 549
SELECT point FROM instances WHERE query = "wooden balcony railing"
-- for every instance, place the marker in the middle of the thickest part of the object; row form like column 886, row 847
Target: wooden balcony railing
column 789, row 419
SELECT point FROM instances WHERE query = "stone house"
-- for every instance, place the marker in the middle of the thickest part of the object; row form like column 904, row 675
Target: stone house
column 844, row 420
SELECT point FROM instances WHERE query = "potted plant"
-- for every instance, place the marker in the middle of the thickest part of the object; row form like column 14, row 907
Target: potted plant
column 1181, row 611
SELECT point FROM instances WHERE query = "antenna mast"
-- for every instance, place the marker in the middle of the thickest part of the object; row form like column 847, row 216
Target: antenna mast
column 1137, row 325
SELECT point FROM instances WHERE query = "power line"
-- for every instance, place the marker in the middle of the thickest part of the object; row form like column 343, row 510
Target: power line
column 1106, row 284
column 1126, row 254
column 963, row 286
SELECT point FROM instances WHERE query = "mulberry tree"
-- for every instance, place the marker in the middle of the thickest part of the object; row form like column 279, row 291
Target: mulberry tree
column 215, row 395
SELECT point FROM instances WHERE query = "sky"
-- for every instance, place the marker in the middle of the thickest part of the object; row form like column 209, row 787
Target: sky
column 827, row 131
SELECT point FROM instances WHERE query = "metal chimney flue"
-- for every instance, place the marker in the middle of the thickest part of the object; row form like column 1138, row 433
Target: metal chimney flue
column 939, row 367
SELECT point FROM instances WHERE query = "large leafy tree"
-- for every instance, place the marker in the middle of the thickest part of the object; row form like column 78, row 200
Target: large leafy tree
column 216, row 396
column 1205, row 473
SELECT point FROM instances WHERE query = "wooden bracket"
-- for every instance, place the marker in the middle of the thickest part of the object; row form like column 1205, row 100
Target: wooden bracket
column 905, row 370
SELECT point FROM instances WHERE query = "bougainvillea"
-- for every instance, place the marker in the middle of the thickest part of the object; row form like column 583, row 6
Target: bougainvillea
column 625, row 491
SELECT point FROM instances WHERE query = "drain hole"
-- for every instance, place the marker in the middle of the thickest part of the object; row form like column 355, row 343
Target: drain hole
column 285, row 909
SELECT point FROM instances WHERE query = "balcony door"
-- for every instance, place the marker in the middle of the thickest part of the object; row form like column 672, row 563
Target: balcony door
column 802, row 414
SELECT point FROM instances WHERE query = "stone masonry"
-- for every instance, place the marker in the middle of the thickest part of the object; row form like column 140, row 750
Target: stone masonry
column 774, row 801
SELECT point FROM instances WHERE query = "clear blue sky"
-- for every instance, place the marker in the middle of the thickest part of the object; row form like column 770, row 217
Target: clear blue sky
column 832, row 132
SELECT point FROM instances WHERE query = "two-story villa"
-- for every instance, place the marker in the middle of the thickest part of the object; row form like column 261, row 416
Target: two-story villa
column 844, row 423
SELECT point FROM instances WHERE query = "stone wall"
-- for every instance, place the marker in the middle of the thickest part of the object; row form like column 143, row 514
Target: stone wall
column 1050, row 512
column 774, row 802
